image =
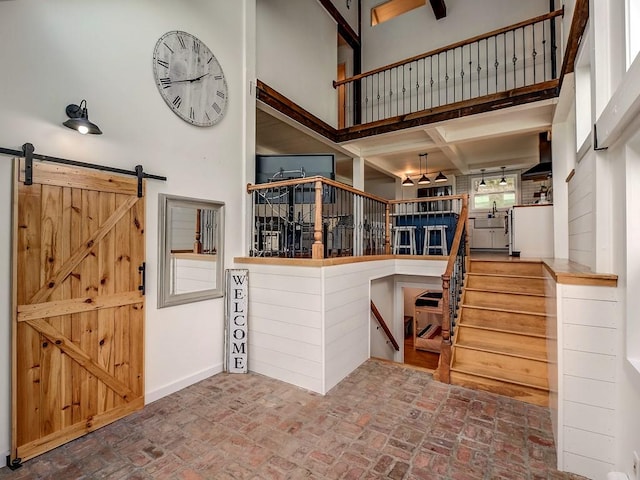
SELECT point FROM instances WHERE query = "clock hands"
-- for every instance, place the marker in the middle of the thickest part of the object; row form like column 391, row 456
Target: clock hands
column 191, row 80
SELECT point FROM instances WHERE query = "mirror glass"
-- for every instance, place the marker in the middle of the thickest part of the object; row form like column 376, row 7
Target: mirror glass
column 190, row 253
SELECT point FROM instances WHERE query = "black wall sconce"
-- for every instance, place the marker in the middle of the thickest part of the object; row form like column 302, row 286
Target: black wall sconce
column 79, row 119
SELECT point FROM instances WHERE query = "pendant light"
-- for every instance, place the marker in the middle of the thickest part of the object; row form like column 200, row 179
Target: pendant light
column 424, row 180
column 482, row 182
column 503, row 181
column 407, row 182
column 441, row 178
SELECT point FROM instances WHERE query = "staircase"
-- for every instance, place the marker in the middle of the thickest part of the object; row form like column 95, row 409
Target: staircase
column 500, row 342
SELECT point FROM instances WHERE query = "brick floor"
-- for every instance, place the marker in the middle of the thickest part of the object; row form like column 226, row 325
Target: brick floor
column 383, row 421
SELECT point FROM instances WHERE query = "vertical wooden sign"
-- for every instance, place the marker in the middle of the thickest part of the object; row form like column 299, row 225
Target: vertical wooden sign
column 236, row 313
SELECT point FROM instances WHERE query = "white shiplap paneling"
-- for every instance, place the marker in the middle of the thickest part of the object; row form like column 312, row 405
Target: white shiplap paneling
column 587, row 467
column 285, row 324
column 588, row 352
column 586, row 338
column 590, row 365
column 581, row 213
column 590, row 392
column 589, row 444
column 589, row 418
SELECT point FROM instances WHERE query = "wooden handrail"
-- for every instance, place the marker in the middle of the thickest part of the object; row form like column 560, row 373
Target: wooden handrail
column 524, row 23
column 384, row 326
column 457, row 239
column 428, row 199
column 443, row 372
column 326, row 181
column 347, row 188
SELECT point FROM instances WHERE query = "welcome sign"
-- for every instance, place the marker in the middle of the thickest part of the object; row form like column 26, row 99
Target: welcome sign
column 236, row 329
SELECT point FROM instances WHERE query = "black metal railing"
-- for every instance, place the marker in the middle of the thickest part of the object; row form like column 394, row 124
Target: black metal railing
column 513, row 57
column 320, row 218
column 452, row 282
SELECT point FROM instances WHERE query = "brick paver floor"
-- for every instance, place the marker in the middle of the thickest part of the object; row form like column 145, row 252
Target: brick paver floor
column 382, row 421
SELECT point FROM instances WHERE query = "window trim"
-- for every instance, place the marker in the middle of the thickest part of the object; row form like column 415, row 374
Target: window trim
column 491, row 176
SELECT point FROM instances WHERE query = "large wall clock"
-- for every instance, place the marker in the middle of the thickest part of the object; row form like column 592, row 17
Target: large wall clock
column 189, row 78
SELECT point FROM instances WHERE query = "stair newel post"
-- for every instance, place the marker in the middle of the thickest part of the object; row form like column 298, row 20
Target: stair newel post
column 444, row 363
column 387, row 234
column 317, row 250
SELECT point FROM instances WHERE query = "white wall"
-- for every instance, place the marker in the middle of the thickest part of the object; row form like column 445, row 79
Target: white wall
column 303, row 70
column 350, row 14
column 310, row 326
column 612, row 383
column 418, row 31
column 581, row 212
column 589, row 340
column 382, row 296
column 48, row 68
column 285, row 324
column 385, row 188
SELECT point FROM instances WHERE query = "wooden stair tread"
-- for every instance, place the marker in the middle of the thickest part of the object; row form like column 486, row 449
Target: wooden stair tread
column 493, row 275
column 505, row 310
column 540, row 334
column 509, row 350
column 502, row 375
column 497, row 309
column 533, row 395
column 489, row 290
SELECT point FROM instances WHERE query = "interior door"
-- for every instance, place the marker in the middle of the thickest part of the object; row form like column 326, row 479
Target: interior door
column 78, row 316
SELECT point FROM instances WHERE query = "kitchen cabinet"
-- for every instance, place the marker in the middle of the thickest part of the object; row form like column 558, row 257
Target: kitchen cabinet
column 439, row 206
column 489, row 238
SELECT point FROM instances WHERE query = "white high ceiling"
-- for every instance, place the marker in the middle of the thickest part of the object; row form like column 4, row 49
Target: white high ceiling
column 506, row 137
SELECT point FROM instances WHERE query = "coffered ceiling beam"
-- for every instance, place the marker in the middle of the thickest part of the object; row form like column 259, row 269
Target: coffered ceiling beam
column 450, row 151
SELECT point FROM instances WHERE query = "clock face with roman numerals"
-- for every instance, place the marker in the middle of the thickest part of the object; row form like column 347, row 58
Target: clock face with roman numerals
column 190, row 79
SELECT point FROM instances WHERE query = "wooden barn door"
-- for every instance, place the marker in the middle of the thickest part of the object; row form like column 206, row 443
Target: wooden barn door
column 78, row 332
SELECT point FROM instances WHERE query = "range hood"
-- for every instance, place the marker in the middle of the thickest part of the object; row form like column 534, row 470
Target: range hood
column 542, row 170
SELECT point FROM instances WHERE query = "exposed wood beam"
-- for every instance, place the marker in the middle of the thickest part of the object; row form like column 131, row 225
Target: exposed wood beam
column 271, row 97
column 578, row 24
column 439, row 8
column 344, row 28
column 533, row 93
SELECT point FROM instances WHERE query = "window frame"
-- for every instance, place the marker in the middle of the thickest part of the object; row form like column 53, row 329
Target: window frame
column 493, row 176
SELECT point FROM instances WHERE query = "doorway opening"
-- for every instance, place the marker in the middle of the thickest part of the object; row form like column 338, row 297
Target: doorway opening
column 422, row 320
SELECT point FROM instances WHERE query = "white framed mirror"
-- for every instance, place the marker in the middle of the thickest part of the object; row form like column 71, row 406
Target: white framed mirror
column 190, row 250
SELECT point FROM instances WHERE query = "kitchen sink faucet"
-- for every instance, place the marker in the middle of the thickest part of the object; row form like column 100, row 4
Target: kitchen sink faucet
column 494, row 209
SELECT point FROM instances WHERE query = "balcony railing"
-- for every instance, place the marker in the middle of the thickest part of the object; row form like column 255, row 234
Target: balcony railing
column 510, row 58
column 320, row 218
column 317, row 218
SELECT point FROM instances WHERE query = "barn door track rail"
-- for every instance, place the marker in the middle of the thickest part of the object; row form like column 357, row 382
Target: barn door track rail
column 28, row 153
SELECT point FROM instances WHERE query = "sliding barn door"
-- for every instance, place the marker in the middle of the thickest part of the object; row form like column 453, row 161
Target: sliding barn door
column 78, row 336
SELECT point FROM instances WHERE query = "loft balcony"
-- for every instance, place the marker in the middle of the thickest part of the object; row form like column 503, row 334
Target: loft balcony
column 510, row 66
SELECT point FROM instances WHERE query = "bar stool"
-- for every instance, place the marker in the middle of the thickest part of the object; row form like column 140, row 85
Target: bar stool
column 427, row 239
column 404, row 233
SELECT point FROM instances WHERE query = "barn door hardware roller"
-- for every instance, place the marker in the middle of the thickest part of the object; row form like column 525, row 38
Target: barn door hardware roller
column 29, row 155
